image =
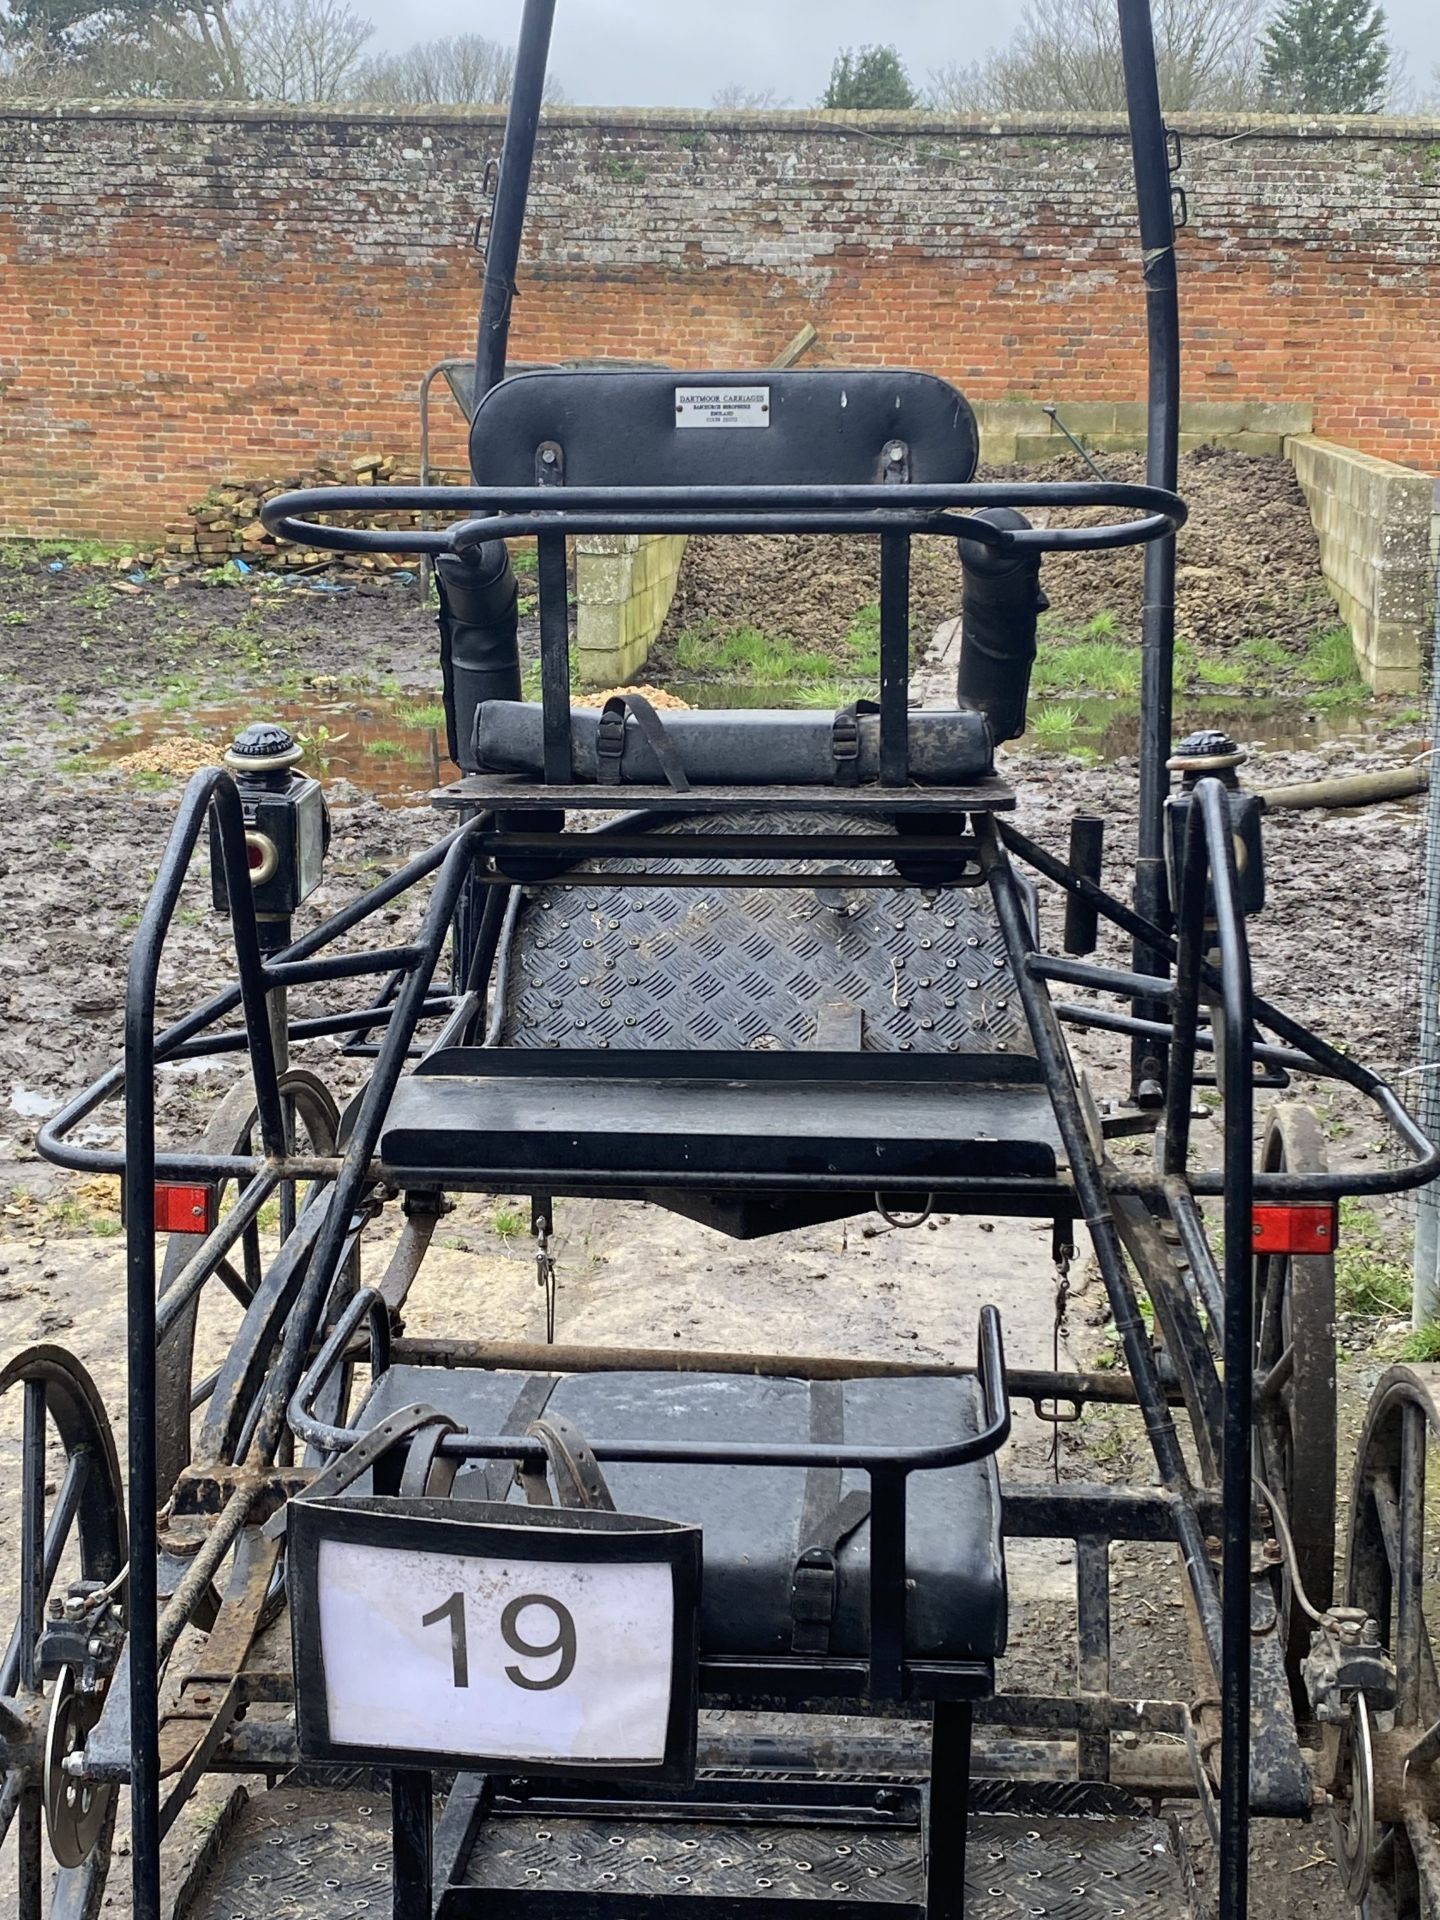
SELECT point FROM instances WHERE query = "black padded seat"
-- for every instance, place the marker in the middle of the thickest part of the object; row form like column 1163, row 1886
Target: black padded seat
column 751, row 1516
column 607, row 1120
column 747, row 747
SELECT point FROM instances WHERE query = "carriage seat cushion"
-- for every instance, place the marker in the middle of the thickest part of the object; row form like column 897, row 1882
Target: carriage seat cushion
column 753, row 1517
column 745, row 747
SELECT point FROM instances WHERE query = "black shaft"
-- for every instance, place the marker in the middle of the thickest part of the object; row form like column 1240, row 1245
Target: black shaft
column 512, row 190
column 1162, row 442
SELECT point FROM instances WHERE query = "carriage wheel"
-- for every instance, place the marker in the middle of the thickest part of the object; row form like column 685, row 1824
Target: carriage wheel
column 72, row 1543
column 312, row 1125
column 1295, row 1405
column 1385, row 1575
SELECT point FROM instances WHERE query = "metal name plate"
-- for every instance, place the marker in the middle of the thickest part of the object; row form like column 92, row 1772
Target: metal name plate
column 559, row 1643
column 722, row 406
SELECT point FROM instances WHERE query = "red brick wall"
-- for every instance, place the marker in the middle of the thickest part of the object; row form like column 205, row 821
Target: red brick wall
column 200, row 291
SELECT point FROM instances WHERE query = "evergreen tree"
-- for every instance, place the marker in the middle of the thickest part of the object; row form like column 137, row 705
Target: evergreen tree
column 1327, row 56
column 869, row 77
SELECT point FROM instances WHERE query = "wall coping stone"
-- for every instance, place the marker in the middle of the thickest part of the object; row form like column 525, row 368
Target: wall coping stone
column 1102, row 126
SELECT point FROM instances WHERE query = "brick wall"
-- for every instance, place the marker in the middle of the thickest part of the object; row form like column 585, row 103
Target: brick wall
column 198, row 291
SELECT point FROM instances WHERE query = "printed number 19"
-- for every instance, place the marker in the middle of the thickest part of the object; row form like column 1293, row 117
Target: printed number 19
column 563, row 1643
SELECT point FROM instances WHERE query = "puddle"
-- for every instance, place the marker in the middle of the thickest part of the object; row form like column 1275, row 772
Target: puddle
column 381, row 744
column 31, row 1105
column 375, row 741
column 1111, row 728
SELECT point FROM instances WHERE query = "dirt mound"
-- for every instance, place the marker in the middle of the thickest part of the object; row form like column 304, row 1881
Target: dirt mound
column 1248, row 566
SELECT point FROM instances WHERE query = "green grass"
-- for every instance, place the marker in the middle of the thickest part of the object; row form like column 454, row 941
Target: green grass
column 425, row 713
column 67, row 704
column 386, row 749
column 1371, row 1282
column 1054, row 725
column 524, row 559
column 1329, row 661
column 1421, row 1346
column 1087, row 666
column 508, row 1222
column 1263, row 652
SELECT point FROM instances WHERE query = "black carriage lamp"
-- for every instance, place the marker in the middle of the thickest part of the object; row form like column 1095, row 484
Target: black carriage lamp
column 287, row 825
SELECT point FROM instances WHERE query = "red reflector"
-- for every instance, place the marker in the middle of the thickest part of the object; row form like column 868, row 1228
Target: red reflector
column 254, row 851
column 1294, row 1229
column 184, row 1209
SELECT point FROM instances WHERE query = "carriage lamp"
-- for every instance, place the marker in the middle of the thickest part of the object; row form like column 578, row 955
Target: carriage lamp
column 287, row 826
column 1211, row 754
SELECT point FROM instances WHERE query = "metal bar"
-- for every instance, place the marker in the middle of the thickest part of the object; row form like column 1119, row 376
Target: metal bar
column 1179, row 1323
column 947, row 1811
column 1091, row 1192
column 203, row 1262
column 1208, row 828
column 554, row 596
column 1105, row 1020
column 1409, row 1585
column 1079, row 973
column 32, row 1532
column 57, row 1532
column 887, row 1580
column 1092, row 1645
column 512, row 189
column 875, row 849
column 894, row 659
column 218, row 1541
column 1196, row 1247
column 355, row 1168
column 774, row 882
column 339, row 966
column 1162, row 445
column 412, row 1840
column 51, row 1139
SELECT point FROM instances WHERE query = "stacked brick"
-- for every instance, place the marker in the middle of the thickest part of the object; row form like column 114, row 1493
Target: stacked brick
column 226, row 524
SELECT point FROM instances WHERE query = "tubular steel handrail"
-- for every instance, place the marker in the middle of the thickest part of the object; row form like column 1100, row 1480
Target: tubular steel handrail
column 510, row 513
column 369, row 1304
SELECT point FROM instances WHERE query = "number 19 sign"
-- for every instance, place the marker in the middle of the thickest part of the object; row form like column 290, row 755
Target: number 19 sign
column 463, row 1631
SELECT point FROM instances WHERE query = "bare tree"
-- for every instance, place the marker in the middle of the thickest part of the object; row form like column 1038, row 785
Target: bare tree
column 463, row 70
column 304, row 51
column 739, row 99
column 1066, row 55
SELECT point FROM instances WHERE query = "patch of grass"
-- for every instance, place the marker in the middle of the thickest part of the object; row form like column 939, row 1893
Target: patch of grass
column 1263, row 652
column 67, row 704
column 1329, row 661
column 1221, row 671
column 831, row 692
column 693, row 649
column 1054, row 725
column 77, row 763
column 1100, row 626
column 1408, row 717
column 1087, row 666
column 13, row 617
column 1371, row 1282
column 524, row 559
column 152, row 781
column 1421, row 1345
column 425, row 713
column 386, row 749
column 508, row 1222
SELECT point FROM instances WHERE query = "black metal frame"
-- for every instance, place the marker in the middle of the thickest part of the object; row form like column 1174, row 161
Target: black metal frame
column 271, row 1387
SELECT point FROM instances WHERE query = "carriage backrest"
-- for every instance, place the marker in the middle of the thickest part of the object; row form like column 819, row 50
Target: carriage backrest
column 766, row 427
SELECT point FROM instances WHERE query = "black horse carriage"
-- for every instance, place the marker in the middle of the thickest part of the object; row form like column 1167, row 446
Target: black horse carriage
column 765, row 969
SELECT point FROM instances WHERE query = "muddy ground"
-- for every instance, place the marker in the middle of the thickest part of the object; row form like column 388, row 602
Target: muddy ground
column 1249, row 568
column 79, row 846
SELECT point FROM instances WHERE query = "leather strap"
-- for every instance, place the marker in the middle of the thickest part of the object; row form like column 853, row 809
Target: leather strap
column 346, row 1468
column 827, row 1519
column 610, row 740
column 573, row 1466
column 845, row 741
column 500, row 1475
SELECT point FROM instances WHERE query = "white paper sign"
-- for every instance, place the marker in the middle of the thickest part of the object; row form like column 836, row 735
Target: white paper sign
column 722, row 406
column 502, row 1659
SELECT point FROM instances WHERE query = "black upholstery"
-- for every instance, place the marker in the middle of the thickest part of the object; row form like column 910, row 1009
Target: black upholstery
column 740, row 748
column 826, row 426
column 751, row 1516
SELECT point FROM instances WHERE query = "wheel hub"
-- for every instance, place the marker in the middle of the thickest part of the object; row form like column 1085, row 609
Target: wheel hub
column 75, row 1810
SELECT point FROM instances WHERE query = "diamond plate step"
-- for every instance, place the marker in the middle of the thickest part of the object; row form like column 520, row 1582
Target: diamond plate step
column 594, row 966
column 313, row 1854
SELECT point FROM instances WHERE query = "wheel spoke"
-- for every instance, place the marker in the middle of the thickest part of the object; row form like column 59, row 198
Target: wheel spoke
column 57, row 1532
column 30, row 1875
column 32, row 1532
column 1409, row 1615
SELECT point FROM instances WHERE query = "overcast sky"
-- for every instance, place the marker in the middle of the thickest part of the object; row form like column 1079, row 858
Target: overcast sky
column 653, row 53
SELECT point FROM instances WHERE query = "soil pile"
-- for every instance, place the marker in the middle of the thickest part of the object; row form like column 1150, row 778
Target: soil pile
column 1248, row 566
